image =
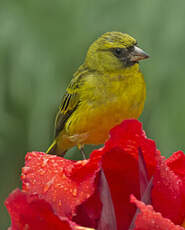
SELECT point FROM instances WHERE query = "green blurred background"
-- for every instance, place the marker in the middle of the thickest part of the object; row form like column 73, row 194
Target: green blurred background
column 43, row 42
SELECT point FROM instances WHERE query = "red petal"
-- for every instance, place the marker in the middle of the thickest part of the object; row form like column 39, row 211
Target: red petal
column 176, row 163
column 29, row 212
column 168, row 193
column 148, row 219
column 88, row 213
column 63, row 183
column 120, row 164
column 130, row 135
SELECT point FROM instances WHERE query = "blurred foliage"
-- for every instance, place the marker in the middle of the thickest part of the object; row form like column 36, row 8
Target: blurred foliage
column 43, row 42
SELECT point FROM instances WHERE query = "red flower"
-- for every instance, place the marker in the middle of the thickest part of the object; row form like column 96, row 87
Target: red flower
column 149, row 219
column 31, row 212
column 58, row 191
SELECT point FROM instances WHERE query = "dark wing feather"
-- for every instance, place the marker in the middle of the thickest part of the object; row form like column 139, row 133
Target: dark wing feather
column 70, row 100
column 67, row 107
column 69, row 103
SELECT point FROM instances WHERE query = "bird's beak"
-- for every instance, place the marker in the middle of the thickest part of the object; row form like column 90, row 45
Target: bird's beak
column 138, row 54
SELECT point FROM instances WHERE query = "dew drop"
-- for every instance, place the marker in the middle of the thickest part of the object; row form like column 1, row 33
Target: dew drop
column 74, row 192
column 26, row 227
column 46, row 187
column 34, row 154
column 48, row 184
column 60, row 203
column 42, row 172
column 26, row 185
column 25, row 169
column 29, row 158
column 153, row 222
column 45, row 160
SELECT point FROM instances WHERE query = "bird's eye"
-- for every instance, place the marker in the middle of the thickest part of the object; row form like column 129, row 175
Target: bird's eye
column 118, row 52
column 131, row 48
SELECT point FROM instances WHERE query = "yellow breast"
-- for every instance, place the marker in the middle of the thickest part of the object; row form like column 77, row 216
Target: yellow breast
column 106, row 101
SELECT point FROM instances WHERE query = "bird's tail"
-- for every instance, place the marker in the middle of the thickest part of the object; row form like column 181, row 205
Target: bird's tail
column 52, row 148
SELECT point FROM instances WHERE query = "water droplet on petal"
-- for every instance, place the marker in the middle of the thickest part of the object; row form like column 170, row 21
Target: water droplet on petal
column 28, row 157
column 74, row 192
column 45, row 160
column 59, row 203
column 26, row 185
column 42, row 172
column 48, row 184
column 34, row 154
column 25, row 169
column 26, row 227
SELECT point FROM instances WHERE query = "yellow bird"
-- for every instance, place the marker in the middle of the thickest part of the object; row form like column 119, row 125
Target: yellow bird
column 106, row 89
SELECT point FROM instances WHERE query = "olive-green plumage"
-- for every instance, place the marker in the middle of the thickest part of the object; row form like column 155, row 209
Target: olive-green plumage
column 105, row 90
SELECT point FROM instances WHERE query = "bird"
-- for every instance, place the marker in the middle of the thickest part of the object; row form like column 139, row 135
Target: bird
column 105, row 90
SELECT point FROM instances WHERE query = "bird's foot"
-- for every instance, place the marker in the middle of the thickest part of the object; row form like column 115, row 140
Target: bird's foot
column 81, row 148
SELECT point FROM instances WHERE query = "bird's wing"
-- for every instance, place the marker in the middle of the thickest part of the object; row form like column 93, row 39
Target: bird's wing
column 68, row 105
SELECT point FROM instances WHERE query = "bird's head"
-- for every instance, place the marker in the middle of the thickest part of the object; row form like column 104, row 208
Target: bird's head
column 114, row 51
